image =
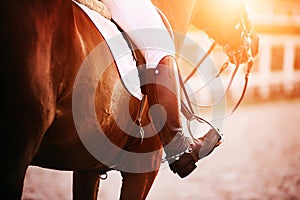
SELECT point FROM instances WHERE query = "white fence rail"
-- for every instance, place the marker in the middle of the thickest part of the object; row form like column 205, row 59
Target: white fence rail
column 265, row 81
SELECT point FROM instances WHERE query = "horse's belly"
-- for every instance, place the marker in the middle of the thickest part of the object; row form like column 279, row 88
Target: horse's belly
column 64, row 145
column 61, row 148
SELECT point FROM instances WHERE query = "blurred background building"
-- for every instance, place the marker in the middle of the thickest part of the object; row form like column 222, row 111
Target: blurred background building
column 276, row 70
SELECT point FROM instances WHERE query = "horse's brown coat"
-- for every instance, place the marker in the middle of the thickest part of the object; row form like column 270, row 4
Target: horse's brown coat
column 43, row 45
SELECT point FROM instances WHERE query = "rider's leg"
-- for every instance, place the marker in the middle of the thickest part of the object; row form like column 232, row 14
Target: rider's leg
column 141, row 21
column 163, row 89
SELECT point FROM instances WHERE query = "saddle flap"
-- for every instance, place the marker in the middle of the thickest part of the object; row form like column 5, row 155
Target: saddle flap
column 119, row 47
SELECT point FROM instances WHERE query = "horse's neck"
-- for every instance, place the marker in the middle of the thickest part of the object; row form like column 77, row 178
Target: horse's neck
column 179, row 14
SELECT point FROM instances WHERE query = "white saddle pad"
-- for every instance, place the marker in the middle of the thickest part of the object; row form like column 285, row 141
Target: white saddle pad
column 120, row 50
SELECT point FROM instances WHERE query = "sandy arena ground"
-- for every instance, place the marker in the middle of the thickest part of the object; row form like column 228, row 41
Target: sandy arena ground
column 260, row 160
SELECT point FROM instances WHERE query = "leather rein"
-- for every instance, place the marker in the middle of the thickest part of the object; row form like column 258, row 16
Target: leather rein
column 186, row 107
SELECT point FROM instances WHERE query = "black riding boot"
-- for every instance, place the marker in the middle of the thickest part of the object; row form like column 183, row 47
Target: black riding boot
column 162, row 88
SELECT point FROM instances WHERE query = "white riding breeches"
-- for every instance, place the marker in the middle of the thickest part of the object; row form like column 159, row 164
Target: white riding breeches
column 143, row 24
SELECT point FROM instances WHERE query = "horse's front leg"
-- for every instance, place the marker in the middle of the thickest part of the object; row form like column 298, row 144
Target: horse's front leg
column 136, row 185
column 85, row 185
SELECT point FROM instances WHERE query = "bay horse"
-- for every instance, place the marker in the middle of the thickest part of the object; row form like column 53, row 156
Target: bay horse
column 43, row 45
